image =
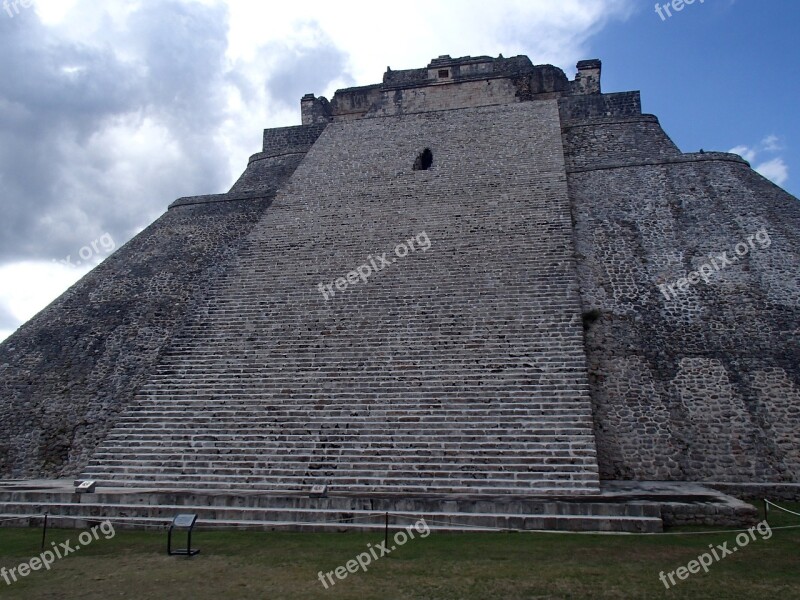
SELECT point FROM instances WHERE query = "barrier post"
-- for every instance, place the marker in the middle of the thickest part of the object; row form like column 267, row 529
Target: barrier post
column 386, row 532
column 44, row 531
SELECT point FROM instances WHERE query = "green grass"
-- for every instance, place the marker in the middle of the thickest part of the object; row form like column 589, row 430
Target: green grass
column 237, row 564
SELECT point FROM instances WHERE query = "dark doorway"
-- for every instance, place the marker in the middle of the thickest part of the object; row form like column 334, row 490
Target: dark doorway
column 424, row 160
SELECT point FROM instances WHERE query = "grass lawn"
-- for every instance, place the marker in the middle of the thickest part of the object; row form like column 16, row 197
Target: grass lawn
column 238, row 564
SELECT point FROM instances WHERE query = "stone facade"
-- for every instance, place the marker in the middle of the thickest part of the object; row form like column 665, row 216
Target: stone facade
column 67, row 374
column 701, row 384
column 438, row 374
column 558, row 218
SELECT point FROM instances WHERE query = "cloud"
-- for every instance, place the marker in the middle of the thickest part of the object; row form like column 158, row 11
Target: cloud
column 27, row 287
column 7, row 320
column 303, row 70
column 772, row 143
column 549, row 32
column 774, row 169
column 99, row 136
column 109, row 111
column 746, row 153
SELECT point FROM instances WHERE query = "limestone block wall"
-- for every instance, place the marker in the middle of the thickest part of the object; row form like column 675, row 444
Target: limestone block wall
column 284, row 149
column 615, row 140
column 580, row 107
column 456, row 367
column 691, row 377
column 70, row 370
column 702, row 384
column 448, row 84
column 67, row 373
column 446, row 96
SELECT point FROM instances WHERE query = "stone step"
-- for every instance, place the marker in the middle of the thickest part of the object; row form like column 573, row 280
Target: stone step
column 356, row 473
column 327, row 418
column 285, row 397
column 326, row 509
column 333, row 460
column 357, row 486
column 379, row 373
column 268, row 339
column 333, row 514
column 302, row 397
column 550, row 378
column 338, row 462
column 329, row 410
column 550, row 291
column 557, row 445
column 331, row 436
column 266, row 420
column 182, row 350
column 410, row 400
column 547, row 454
column 250, row 424
column 367, row 359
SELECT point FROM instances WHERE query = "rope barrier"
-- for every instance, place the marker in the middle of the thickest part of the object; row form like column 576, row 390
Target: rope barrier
column 791, row 512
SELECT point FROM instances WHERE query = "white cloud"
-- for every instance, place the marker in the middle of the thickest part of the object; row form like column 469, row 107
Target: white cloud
column 52, row 12
column 746, row 153
column 775, row 170
column 28, row 287
column 549, row 32
column 772, row 143
column 109, row 111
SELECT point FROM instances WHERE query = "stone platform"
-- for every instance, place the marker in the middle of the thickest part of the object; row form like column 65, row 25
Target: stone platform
column 633, row 507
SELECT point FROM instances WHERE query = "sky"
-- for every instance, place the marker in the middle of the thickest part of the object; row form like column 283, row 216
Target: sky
column 112, row 109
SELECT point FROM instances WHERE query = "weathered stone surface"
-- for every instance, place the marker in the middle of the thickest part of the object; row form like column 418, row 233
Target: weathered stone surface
column 554, row 213
column 710, row 373
column 457, row 368
column 68, row 373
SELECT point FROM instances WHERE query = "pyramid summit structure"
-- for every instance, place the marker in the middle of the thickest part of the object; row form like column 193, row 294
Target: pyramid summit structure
column 475, row 282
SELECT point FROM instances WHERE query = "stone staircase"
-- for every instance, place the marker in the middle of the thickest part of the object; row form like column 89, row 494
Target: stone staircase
column 459, row 369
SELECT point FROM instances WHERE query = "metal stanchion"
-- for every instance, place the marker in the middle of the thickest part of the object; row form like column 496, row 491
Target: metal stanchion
column 44, row 531
column 386, row 532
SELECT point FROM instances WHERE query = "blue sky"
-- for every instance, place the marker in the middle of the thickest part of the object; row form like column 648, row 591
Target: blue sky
column 719, row 75
column 112, row 109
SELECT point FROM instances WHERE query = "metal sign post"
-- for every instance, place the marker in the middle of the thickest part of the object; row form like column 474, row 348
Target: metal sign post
column 185, row 521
